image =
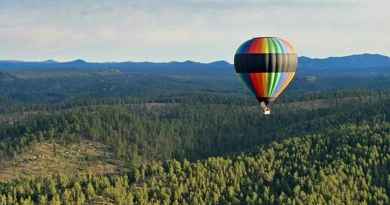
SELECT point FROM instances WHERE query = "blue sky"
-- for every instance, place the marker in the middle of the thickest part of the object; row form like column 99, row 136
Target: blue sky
column 200, row 30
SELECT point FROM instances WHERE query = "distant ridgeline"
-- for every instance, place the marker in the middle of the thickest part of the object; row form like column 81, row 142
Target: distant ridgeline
column 353, row 63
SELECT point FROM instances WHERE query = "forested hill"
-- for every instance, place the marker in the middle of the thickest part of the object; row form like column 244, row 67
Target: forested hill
column 345, row 165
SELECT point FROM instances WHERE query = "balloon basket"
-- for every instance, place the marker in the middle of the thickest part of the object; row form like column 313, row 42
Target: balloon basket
column 267, row 111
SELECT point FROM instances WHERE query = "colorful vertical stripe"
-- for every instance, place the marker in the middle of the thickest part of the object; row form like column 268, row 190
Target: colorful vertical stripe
column 266, row 45
column 259, row 83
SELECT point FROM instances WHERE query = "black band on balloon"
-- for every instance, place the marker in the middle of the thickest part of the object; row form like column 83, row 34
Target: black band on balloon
column 265, row 62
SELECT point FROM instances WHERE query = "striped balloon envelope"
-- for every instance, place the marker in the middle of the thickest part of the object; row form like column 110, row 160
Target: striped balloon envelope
column 267, row 65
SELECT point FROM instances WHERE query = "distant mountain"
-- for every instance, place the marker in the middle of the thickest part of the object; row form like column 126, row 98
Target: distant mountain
column 220, row 63
column 361, row 64
column 356, row 61
column 373, row 63
column 78, row 61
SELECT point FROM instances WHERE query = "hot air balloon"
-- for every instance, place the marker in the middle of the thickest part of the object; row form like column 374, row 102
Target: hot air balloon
column 267, row 65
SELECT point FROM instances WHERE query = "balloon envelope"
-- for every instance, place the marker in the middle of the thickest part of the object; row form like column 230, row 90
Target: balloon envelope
column 267, row 65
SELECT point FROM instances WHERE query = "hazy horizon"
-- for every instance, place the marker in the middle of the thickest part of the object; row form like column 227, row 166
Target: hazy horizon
column 203, row 31
column 171, row 61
